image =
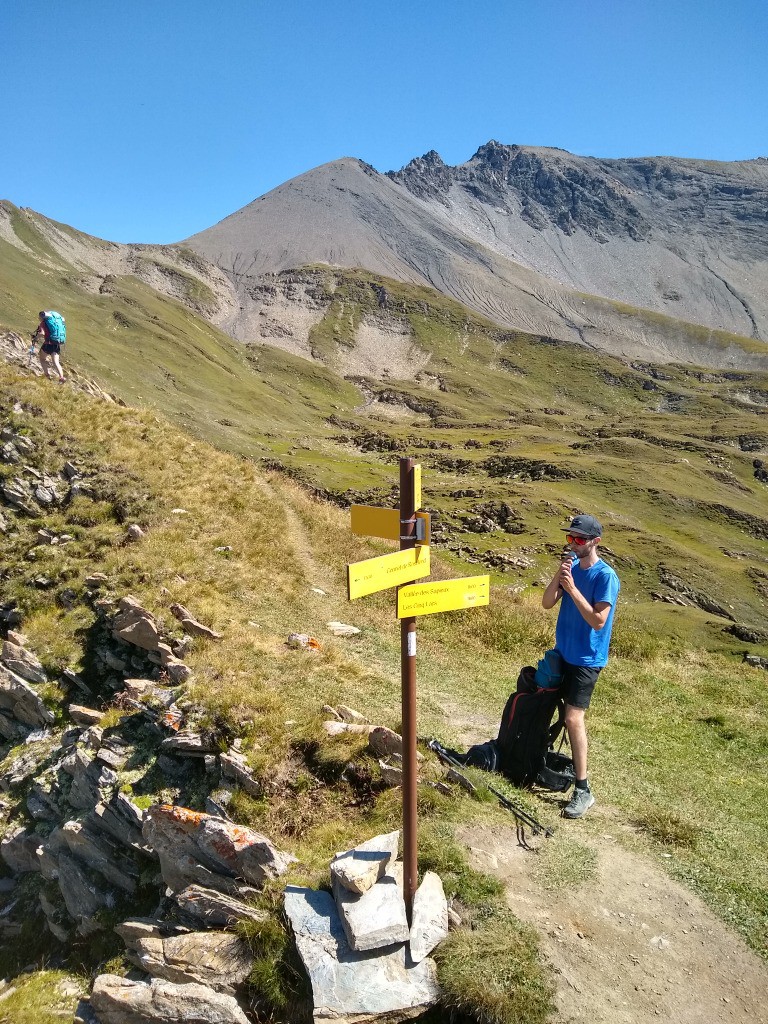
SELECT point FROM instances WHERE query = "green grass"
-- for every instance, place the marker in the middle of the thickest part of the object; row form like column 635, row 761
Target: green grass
column 493, row 975
column 44, row 997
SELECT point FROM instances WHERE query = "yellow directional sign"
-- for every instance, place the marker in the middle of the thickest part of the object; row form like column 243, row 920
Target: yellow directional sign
column 387, row 571
column 417, row 487
column 443, row 596
column 369, row 521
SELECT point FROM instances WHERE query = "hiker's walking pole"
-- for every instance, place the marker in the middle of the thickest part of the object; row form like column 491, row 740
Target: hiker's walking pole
column 408, row 680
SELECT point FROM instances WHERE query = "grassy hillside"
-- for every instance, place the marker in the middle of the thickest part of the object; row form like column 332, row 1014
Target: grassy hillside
column 680, row 741
column 662, row 454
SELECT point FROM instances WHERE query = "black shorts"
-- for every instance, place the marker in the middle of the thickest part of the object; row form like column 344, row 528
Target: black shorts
column 51, row 347
column 578, row 684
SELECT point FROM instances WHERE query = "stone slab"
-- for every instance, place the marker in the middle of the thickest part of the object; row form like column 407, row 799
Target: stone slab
column 375, row 919
column 429, row 925
column 360, row 868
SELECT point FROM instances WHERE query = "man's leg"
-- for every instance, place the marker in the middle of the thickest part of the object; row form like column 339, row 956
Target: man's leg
column 581, row 682
column 577, row 737
column 43, row 362
column 57, row 365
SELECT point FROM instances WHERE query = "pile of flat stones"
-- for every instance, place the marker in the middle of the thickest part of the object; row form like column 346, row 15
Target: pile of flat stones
column 364, row 960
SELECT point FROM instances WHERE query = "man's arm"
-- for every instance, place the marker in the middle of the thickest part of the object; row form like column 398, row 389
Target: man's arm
column 553, row 593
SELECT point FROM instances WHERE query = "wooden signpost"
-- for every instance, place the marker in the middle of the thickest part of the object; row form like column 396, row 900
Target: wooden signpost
column 412, row 528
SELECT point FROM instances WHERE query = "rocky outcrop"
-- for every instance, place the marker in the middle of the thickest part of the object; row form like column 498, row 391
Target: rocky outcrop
column 21, row 701
column 196, row 848
column 349, row 987
column 118, row 1000
column 684, row 594
column 98, row 853
column 220, row 960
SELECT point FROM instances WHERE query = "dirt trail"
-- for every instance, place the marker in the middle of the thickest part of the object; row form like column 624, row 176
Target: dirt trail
column 630, row 945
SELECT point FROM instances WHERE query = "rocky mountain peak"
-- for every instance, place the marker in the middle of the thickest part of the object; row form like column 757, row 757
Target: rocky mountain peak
column 546, row 187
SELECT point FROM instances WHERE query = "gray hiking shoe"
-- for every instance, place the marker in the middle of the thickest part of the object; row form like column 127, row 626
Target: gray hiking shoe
column 579, row 803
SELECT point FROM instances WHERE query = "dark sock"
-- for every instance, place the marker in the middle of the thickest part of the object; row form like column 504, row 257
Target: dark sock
column 582, row 783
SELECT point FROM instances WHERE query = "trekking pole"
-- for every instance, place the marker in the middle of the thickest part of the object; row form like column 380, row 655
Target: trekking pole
column 510, row 805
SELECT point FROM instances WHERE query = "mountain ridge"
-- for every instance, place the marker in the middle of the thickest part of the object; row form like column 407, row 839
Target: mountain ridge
column 546, row 246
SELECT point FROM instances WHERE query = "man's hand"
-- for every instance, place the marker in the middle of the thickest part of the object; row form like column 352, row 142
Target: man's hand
column 566, row 577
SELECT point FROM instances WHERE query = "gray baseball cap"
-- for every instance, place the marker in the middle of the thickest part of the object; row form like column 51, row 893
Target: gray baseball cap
column 585, row 526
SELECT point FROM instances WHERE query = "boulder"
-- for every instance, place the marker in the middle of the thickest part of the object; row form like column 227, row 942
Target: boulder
column 121, row 819
column 122, row 1001
column 350, row 987
column 82, row 896
column 81, row 715
column 188, row 744
column 135, row 625
column 186, row 840
column 18, row 849
column 384, row 741
column 12, row 730
column 114, row 752
column 235, row 767
column 338, row 728
column 342, row 629
column 92, row 782
column 18, row 494
column 191, row 625
column 350, row 715
column 146, row 689
column 392, row 774
column 359, row 869
column 218, row 959
column 22, row 702
column 21, row 661
column 57, row 919
column 98, row 851
column 24, row 766
column 429, row 923
column 43, row 798
column 177, row 671
column 214, row 909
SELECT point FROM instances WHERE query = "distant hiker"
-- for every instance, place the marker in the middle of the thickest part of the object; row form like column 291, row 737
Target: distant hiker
column 52, row 332
column 587, row 588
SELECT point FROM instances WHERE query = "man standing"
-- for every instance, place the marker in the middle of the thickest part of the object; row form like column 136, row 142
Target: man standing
column 587, row 588
column 51, row 332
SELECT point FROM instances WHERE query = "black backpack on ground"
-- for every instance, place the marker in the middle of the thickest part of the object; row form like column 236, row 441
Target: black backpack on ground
column 523, row 749
column 527, row 730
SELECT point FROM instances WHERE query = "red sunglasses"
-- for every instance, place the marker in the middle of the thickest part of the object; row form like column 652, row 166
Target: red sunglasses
column 573, row 539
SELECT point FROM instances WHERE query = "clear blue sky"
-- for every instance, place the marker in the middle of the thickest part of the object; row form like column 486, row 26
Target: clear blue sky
column 149, row 120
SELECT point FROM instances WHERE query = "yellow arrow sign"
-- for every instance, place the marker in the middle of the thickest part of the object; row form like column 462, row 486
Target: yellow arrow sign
column 443, row 596
column 387, row 571
column 370, row 521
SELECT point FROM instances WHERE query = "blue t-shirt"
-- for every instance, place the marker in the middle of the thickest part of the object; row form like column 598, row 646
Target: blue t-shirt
column 575, row 639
